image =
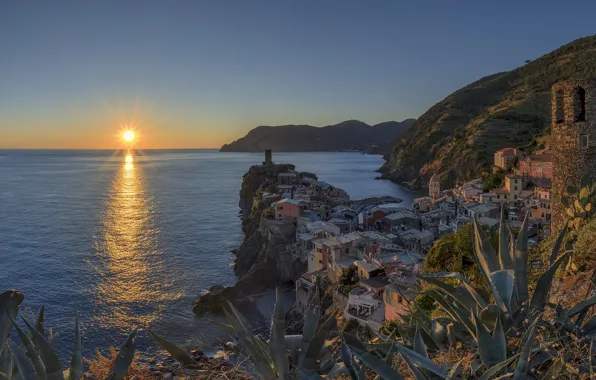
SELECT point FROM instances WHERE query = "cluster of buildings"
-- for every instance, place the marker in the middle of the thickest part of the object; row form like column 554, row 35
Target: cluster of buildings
column 382, row 245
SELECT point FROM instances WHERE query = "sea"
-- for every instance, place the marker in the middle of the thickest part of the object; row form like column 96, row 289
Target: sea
column 129, row 239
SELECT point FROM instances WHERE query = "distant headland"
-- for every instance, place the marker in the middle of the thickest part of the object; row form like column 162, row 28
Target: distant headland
column 350, row 135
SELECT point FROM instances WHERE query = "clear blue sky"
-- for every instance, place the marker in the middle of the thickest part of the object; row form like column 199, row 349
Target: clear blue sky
column 201, row 73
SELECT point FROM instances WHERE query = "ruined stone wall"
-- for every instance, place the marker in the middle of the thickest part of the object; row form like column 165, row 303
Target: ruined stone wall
column 571, row 163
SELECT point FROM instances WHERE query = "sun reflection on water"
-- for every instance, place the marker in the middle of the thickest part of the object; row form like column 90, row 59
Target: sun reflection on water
column 133, row 286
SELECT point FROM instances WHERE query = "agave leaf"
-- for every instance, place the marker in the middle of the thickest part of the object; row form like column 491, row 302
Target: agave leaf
column 489, row 354
column 419, row 345
column 491, row 372
column 421, row 361
column 253, row 345
column 6, row 364
column 485, row 253
column 31, row 352
column 499, row 339
column 557, row 247
column 489, row 315
column 544, row 284
column 9, row 307
column 317, row 343
column 177, row 353
column 377, row 365
column 124, row 358
column 454, row 313
column 76, row 362
column 520, row 263
column 40, row 322
column 338, row 369
column 226, row 326
column 504, row 254
column 348, row 359
column 308, row 375
column 439, row 332
column 523, row 363
column 46, row 351
column 472, row 293
column 417, row 372
column 503, row 283
column 582, row 306
column 455, row 371
column 26, row 369
column 311, row 322
column 277, row 343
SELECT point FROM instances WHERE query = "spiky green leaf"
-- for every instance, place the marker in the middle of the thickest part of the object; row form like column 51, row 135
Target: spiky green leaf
column 46, row 352
column 520, row 263
column 489, row 353
column 557, row 247
column 40, row 321
column 504, row 255
column 26, row 369
column 544, row 284
column 490, row 373
column 582, row 306
column 485, row 252
column 471, row 296
column 555, row 369
column 524, row 357
column 419, row 345
column 421, row 361
column 31, row 352
column 9, row 307
column 124, row 358
column 311, row 322
column 6, row 364
column 76, row 362
column 418, row 374
column 177, row 353
column 277, row 343
column 377, row 365
column 317, row 342
column 503, row 282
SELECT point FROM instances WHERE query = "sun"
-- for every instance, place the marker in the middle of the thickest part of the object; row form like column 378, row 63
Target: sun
column 128, row 136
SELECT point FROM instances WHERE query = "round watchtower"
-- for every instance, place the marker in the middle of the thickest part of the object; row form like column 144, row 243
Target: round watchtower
column 573, row 141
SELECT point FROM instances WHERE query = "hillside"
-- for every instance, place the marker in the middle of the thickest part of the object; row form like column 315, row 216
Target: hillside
column 348, row 135
column 456, row 138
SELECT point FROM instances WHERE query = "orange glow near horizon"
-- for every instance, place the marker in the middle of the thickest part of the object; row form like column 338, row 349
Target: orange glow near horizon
column 129, row 135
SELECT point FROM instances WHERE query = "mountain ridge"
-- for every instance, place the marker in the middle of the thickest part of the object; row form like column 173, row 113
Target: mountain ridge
column 456, row 137
column 346, row 135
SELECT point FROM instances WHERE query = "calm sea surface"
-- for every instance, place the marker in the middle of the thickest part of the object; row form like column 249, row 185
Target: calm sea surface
column 130, row 239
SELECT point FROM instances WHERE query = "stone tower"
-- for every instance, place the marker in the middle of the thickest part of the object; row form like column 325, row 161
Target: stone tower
column 268, row 160
column 434, row 185
column 573, row 141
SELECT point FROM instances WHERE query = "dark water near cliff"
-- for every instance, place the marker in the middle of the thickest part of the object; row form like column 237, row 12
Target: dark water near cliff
column 130, row 239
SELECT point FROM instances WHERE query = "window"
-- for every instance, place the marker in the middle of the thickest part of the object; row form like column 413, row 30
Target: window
column 583, row 141
column 560, row 106
column 579, row 104
column 515, row 188
column 347, row 250
column 498, row 196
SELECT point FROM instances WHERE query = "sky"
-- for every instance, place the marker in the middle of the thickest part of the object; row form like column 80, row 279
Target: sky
column 198, row 74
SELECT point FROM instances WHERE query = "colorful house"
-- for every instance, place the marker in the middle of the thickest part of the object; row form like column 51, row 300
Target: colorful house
column 505, row 155
column 287, row 209
column 537, row 168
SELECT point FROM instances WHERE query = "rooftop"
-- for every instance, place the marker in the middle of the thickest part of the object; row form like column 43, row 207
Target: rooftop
column 366, row 265
column 338, row 221
column 376, row 282
column 289, row 201
column 491, row 222
column 373, row 235
column 347, row 238
column 482, row 207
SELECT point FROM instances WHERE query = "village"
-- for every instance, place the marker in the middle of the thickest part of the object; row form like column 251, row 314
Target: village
column 372, row 249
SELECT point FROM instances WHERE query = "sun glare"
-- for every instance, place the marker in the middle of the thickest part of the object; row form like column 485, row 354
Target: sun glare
column 128, row 136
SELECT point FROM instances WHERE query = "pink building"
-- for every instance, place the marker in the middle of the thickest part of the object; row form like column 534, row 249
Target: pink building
column 537, row 168
column 287, row 209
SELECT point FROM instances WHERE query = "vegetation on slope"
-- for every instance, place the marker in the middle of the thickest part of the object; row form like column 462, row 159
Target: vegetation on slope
column 457, row 137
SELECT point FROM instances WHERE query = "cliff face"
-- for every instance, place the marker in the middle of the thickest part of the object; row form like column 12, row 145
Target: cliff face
column 457, row 137
column 348, row 135
column 257, row 177
column 261, row 261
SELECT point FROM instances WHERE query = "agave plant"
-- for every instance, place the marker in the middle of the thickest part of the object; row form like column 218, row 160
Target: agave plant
column 36, row 357
column 510, row 312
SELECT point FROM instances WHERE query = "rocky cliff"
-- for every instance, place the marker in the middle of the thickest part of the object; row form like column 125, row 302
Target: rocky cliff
column 348, row 135
column 456, row 138
column 261, row 261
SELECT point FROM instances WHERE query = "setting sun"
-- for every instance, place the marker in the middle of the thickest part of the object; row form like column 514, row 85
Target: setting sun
column 128, row 136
